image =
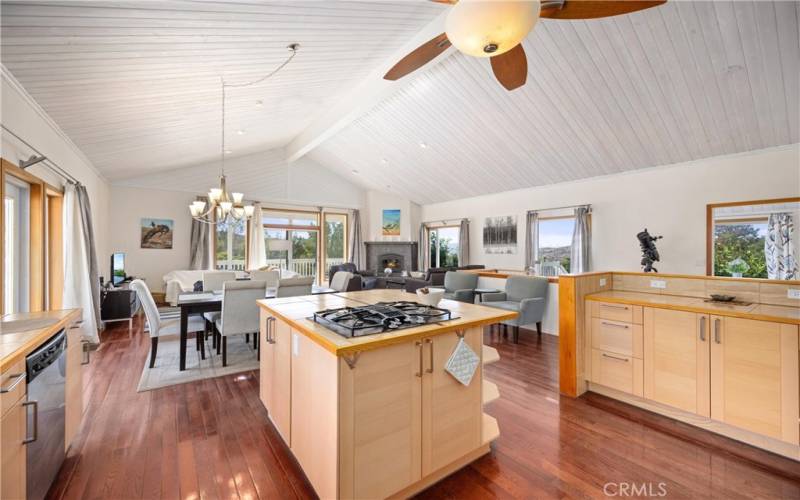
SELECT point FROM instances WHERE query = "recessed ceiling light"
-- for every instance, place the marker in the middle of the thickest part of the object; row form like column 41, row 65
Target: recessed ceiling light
column 423, row 145
column 259, row 103
column 354, row 171
column 240, row 132
column 384, row 160
column 228, row 151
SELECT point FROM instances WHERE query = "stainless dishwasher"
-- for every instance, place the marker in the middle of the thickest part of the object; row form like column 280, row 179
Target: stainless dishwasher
column 46, row 373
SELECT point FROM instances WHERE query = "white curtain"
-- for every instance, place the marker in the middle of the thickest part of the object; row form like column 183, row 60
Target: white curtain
column 78, row 291
column 463, row 243
column 256, row 248
column 531, row 239
column 779, row 247
column 200, row 245
column 581, row 242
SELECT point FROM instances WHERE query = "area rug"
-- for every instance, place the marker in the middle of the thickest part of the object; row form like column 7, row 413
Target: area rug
column 241, row 358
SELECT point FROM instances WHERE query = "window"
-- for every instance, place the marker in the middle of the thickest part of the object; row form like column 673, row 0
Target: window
column 292, row 241
column 444, row 246
column 737, row 243
column 230, row 246
column 16, row 238
column 335, row 250
column 555, row 245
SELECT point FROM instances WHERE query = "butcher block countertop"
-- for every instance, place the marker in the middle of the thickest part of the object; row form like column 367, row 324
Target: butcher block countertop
column 763, row 312
column 296, row 310
column 21, row 333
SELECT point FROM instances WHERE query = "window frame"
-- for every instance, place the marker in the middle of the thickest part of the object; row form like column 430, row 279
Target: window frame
column 436, row 228
column 555, row 217
column 710, row 223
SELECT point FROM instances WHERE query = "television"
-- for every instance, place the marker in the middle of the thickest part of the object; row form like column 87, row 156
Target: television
column 117, row 268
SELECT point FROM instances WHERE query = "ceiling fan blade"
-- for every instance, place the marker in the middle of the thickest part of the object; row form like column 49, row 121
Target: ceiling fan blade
column 511, row 68
column 593, row 9
column 420, row 56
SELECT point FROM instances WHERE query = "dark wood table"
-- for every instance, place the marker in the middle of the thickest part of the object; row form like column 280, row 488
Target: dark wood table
column 192, row 303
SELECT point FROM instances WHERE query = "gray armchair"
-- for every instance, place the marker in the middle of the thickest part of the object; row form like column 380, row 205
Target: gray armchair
column 524, row 294
column 460, row 286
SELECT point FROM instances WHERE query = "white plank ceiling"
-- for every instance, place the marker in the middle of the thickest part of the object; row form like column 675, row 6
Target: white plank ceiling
column 136, row 84
column 683, row 81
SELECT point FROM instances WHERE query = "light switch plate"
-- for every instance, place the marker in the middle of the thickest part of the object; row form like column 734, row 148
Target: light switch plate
column 793, row 293
column 658, row 284
column 602, row 282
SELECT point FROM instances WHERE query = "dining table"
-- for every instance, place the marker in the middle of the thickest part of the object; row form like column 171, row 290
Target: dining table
column 192, row 303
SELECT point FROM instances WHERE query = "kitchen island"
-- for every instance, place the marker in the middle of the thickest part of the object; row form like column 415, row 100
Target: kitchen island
column 375, row 416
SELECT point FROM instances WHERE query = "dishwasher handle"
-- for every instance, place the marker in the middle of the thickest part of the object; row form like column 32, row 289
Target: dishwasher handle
column 35, row 435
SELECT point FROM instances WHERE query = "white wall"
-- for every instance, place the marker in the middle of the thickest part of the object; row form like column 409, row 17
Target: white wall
column 669, row 201
column 20, row 113
column 129, row 206
column 410, row 214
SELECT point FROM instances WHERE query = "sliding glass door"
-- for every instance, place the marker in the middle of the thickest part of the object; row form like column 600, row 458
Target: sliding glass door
column 335, row 250
column 16, row 245
column 231, row 242
column 444, row 246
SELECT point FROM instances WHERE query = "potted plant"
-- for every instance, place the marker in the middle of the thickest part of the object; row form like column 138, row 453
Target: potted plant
column 737, row 267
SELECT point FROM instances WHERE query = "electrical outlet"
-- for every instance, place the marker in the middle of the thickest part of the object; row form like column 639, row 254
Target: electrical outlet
column 793, row 293
column 658, row 284
column 602, row 282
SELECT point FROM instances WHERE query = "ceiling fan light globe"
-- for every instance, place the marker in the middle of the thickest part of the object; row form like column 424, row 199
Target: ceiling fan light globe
column 483, row 28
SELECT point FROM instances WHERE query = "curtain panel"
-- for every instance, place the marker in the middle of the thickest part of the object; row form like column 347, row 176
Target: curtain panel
column 581, row 242
column 424, row 248
column 200, row 245
column 779, row 247
column 355, row 248
column 531, row 239
column 81, row 280
column 463, row 243
column 256, row 246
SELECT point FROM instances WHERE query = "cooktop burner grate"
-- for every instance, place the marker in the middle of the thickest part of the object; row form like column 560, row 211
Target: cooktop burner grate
column 379, row 318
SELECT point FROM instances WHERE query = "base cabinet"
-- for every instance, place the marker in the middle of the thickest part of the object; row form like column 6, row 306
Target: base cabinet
column 12, row 450
column 275, row 368
column 73, row 407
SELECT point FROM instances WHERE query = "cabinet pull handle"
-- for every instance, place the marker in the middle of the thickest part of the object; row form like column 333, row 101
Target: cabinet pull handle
column 419, row 344
column 429, row 341
column 19, row 377
column 614, row 357
column 702, row 328
column 615, row 325
column 35, row 436
column 271, row 329
column 614, row 306
column 85, row 352
column 717, row 338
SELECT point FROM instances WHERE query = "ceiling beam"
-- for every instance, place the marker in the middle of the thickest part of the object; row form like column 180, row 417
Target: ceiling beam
column 364, row 96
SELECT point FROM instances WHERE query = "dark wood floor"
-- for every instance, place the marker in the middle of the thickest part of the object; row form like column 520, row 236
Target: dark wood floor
column 212, row 440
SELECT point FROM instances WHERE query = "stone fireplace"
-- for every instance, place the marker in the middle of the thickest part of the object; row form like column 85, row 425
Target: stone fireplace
column 396, row 255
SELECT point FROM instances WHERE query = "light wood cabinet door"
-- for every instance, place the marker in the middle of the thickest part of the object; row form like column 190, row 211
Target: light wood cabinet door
column 73, row 397
column 281, row 400
column 754, row 376
column 676, row 359
column 380, row 421
column 12, row 453
column 266, row 360
column 451, row 412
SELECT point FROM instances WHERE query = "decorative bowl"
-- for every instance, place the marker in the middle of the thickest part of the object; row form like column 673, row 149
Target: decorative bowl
column 430, row 296
column 722, row 298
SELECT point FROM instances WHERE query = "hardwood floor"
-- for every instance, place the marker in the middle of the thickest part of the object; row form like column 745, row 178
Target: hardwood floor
column 212, row 440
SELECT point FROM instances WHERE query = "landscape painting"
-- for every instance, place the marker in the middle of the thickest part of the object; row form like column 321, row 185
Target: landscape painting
column 391, row 222
column 500, row 235
column 157, row 233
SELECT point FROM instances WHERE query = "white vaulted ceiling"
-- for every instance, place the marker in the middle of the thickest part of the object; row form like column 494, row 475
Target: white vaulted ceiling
column 683, row 81
column 136, row 84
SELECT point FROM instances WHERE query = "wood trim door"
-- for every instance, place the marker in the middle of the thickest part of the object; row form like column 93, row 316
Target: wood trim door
column 451, row 412
column 754, row 378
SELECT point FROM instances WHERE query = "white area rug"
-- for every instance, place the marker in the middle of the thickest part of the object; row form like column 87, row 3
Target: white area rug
column 241, row 358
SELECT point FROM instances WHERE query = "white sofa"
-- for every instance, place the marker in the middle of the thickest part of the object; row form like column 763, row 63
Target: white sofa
column 176, row 282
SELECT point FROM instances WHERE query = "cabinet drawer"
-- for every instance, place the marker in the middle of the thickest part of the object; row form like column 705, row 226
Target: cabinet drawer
column 617, row 312
column 14, row 376
column 618, row 337
column 617, row 371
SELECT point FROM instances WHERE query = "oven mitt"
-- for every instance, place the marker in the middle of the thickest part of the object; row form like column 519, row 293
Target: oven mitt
column 462, row 363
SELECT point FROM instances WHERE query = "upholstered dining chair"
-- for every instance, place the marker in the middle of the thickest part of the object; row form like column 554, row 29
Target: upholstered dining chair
column 240, row 315
column 344, row 281
column 525, row 294
column 294, row 287
column 162, row 327
column 213, row 280
column 271, row 277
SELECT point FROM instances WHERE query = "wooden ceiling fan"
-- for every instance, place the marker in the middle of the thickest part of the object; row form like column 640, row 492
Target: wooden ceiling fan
column 495, row 29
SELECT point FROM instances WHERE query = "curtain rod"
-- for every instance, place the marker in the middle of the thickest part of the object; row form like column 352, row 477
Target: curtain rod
column 47, row 162
column 445, row 221
column 587, row 205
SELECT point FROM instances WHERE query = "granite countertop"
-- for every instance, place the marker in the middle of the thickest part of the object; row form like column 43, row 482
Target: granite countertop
column 21, row 333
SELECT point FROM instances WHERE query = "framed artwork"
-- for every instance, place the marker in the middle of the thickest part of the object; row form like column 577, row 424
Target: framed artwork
column 391, row 222
column 157, row 233
column 500, row 235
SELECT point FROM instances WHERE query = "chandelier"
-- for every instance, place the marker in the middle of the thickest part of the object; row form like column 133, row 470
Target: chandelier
column 225, row 207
